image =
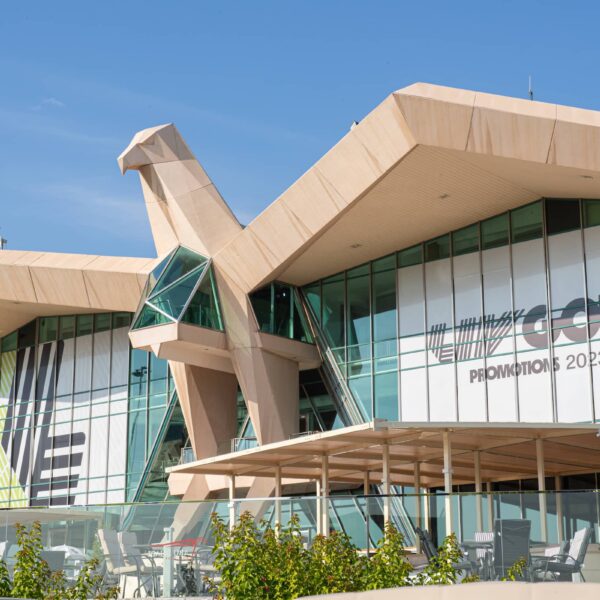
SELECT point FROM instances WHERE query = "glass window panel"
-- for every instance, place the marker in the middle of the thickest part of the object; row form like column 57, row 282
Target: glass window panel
column 136, row 455
column 173, row 299
column 66, row 328
column 386, row 396
column 361, row 390
column 48, row 329
column 183, row 262
column 313, row 296
column 358, row 271
column 437, row 248
column 150, row 317
column 9, row 342
column 359, row 317
column 410, row 256
column 283, row 310
column 465, row 240
column 384, row 306
column 562, row 215
column 261, row 303
column 121, row 319
column 85, row 324
column 494, row 232
column 157, row 271
column 102, row 322
column 301, row 330
column 204, row 307
column 526, row 222
column 387, row 263
column 591, row 213
column 26, row 335
column 333, row 311
column 158, row 375
column 138, row 372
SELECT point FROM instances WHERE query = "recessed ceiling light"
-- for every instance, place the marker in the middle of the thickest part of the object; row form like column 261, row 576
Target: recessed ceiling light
column 586, row 177
column 444, row 196
column 354, row 246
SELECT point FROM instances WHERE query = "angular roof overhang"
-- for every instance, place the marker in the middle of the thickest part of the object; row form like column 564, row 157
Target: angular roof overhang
column 427, row 160
column 34, row 284
column 506, row 450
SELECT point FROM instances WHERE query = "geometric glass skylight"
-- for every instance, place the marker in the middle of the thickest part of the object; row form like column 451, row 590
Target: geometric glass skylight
column 180, row 288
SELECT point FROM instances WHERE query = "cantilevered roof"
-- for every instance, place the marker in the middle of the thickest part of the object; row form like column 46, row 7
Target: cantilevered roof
column 507, row 451
column 427, row 160
column 34, row 284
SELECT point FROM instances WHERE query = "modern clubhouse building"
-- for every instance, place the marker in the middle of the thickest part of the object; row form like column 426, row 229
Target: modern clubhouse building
column 419, row 310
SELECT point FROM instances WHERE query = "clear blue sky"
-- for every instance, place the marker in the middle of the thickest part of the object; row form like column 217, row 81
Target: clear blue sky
column 260, row 90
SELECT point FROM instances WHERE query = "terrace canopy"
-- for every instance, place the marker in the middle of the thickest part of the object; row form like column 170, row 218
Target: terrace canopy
column 423, row 455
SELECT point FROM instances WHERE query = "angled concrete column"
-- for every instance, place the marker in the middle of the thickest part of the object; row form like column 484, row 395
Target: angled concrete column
column 541, row 475
column 269, row 382
column 448, row 480
column 208, row 402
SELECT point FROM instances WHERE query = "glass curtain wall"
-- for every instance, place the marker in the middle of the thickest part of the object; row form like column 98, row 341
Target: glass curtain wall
column 498, row 321
column 76, row 413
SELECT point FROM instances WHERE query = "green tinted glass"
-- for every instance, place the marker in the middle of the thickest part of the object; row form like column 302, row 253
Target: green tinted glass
column 526, row 223
column 173, row 299
column 66, row 328
column 465, row 240
column 410, row 256
column 203, row 309
column 48, row 329
column 262, row 304
column 157, row 271
column 183, row 262
column 494, row 232
column 121, row 319
column 437, row 248
column 387, row 263
column 102, row 322
column 591, row 213
column 85, row 324
column 149, row 317
column 9, row 342
column 313, row 295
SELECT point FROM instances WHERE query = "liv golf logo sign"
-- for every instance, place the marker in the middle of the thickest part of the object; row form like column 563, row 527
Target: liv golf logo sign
column 477, row 337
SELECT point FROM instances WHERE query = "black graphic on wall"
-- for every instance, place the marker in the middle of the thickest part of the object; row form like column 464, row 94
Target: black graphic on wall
column 46, row 464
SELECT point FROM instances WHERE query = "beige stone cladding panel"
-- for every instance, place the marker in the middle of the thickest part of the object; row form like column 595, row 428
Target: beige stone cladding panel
column 318, row 198
column 58, row 279
column 437, row 116
column 163, row 234
column 576, row 141
column 116, row 282
column 208, row 400
column 476, row 591
column 511, row 128
column 16, row 284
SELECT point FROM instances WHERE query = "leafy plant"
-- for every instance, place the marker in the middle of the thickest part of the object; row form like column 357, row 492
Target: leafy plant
column 442, row 569
column 389, row 566
column 33, row 578
column 516, row 571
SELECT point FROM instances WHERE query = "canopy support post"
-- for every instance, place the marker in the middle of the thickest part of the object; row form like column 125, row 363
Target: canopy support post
column 385, row 482
column 325, row 494
column 478, row 490
column 541, row 475
column 448, row 480
column 231, row 502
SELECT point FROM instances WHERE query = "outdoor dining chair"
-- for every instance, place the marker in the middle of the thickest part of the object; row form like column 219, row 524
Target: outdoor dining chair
column 571, row 562
column 511, row 544
column 431, row 551
column 147, row 569
column 117, row 570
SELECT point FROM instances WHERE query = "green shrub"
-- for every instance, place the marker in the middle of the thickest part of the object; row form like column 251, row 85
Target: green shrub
column 33, row 578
